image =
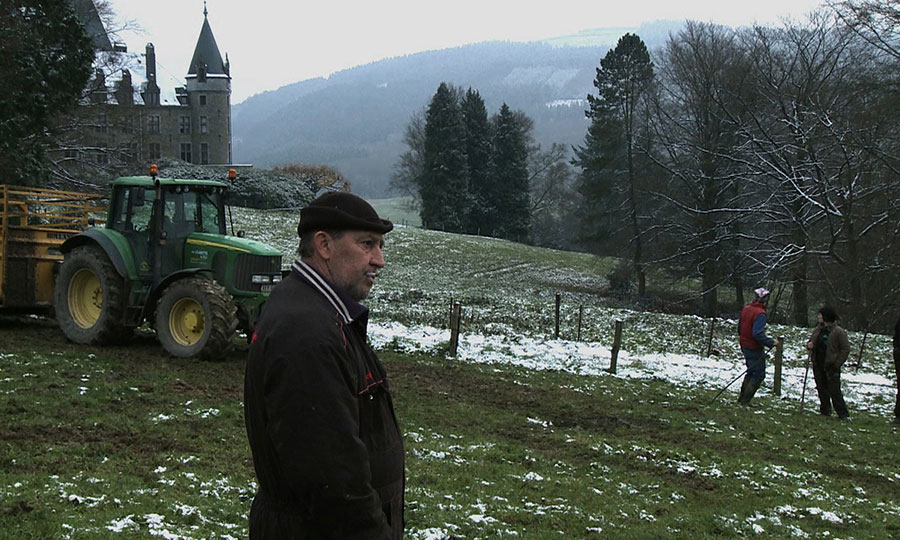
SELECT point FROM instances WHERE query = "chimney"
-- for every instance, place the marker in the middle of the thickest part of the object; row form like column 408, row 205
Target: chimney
column 151, row 90
column 125, row 91
column 151, row 63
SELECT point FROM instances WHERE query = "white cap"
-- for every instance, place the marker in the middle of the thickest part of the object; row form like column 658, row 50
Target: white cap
column 761, row 292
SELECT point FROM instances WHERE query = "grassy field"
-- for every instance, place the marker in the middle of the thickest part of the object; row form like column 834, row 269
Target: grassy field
column 125, row 442
column 398, row 210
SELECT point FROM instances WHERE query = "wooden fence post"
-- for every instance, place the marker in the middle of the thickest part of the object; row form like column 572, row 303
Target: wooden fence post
column 862, row 348
column 617, row 342
column 779, row 352
column 712, row 326
column 580, row 315
column 454, row 328
column 556, row 328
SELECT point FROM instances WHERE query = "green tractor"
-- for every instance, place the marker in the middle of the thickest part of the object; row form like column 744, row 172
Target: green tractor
column 164, row 256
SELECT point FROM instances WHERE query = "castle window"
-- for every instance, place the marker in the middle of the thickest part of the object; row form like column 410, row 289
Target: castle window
column 204, row 124
column 186, row 152
column 100, row 125
column 204, row 153
column 153, row 151
column 153, row 123
column 202, row 99
column 185, row 125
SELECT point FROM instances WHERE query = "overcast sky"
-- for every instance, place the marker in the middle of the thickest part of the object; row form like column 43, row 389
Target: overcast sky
column 271, row 43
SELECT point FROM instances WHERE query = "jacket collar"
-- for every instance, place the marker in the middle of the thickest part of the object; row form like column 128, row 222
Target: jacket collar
column 348, row 308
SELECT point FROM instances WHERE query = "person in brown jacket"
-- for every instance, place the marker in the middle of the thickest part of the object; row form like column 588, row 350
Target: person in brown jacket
column 830, row 348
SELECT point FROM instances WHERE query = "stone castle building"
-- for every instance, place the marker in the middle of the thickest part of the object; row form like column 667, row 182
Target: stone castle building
column 130, row 116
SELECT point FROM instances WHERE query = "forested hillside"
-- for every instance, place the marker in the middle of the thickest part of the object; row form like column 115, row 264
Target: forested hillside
column 354, row 119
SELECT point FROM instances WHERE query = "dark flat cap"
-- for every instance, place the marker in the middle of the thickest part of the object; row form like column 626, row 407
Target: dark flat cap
column 339, row 210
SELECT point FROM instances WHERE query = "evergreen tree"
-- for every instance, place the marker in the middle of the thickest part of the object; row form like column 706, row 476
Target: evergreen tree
column 478, row 152
column 509, row 183
column 445, row 178
column 45, row 62
column 608, row 158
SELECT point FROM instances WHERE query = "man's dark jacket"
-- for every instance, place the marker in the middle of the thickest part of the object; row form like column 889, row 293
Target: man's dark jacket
column 326, row 444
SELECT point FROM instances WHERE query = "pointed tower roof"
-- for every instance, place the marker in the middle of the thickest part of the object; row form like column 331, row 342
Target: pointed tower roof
column 207, row 52
column 86, row 12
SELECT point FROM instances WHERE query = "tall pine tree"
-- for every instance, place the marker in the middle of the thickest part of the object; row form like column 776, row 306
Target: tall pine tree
column 608, row 158
column 445, row 179
column 478, row 152
column 510, row 189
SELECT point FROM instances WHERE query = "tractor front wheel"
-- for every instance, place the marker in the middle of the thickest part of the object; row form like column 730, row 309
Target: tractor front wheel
column 89, row 298
column 196, row 317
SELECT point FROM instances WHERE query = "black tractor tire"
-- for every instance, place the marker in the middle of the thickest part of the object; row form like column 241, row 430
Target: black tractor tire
column 89, row 298
column 196, row 317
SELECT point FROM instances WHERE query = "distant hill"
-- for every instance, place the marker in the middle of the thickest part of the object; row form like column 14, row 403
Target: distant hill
column 354, row 120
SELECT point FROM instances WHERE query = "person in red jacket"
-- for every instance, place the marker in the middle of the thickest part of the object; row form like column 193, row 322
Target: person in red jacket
column 326, row 444
column 752, row 333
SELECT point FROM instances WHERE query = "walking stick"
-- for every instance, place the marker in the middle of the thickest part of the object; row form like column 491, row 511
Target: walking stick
column 726, row 387
column 805, row 376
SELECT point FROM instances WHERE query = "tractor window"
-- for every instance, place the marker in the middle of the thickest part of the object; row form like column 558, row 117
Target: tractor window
column 209, row 212
column 179, row 212
column 132, row 209
column 142, row 211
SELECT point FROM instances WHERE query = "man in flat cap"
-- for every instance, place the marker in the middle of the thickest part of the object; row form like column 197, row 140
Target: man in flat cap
column 326, row 443
column 752, row 337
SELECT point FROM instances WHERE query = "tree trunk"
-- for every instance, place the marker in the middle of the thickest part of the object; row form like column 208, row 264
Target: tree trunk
column 709, row 279
column 635, row 227
column 738, row 291
column 854, row 277
column 799, row 292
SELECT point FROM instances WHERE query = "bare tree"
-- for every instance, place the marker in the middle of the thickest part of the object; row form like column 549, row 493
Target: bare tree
column 876, row 21
column 701, row 70
column 408, row 171
column 315, row 177
column 552, row 197
column 821, row 150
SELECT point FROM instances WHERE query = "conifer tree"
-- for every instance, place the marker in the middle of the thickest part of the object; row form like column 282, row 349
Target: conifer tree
column 445, row 178
column 478, row 152
column 608, row 158
column 45, row 62
column 509, row 182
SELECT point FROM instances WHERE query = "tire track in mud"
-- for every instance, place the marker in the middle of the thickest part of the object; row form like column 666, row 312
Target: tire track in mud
column 505, row 269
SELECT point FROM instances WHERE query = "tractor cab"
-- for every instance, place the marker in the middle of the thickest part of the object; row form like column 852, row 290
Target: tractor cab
column 156, row 217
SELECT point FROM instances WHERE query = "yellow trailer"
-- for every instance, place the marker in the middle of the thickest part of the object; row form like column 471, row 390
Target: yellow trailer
column 34, row 222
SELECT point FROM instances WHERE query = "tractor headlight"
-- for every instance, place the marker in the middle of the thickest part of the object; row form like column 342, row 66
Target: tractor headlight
column 276, row 279
column 260, row 278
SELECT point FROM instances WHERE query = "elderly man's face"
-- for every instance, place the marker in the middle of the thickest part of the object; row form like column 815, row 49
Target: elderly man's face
column 355, row 262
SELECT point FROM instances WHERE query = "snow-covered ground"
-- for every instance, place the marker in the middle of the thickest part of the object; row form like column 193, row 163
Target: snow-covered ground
column 864, row 391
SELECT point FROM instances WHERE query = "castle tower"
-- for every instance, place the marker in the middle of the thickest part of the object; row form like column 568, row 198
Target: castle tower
column 208, row 86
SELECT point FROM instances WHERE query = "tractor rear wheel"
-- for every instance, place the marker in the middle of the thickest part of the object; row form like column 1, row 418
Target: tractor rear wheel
column 196, row 317
column 89, row 298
